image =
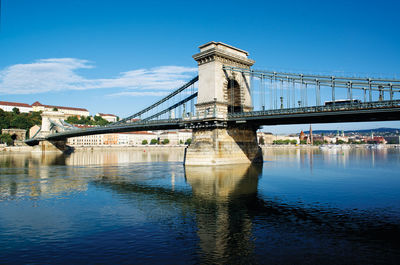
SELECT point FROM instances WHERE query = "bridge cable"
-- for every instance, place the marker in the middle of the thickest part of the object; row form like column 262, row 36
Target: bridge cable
column 188, row 84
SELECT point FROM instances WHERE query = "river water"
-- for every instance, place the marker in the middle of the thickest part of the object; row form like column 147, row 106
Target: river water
column 144, row 207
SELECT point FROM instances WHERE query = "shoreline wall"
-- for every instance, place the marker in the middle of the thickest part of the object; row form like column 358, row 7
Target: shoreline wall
column 27, row 149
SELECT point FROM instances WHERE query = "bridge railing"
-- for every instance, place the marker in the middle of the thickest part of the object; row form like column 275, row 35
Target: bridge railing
column 314, row 109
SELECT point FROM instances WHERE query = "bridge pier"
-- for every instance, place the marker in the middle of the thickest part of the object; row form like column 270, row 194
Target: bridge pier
column 223, row 146
column 59, row 146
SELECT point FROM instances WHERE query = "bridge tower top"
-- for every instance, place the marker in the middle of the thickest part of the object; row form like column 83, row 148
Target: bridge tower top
column 222, row 90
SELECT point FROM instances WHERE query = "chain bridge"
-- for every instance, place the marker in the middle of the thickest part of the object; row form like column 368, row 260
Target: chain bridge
column 228, row 101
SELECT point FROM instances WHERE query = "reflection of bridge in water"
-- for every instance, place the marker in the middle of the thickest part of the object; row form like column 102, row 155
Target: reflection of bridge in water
column 231, row 101
column 224, row 231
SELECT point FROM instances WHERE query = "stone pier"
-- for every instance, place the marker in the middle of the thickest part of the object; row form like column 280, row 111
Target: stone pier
column 221, row 92
column 222, row 146
column 53, row 146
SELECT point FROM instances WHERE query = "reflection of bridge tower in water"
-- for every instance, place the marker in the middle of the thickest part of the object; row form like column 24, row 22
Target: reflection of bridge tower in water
column 225, row 233
column 220, row 92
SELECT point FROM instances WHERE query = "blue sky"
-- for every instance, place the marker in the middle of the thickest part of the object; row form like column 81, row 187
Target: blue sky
column 119, row 56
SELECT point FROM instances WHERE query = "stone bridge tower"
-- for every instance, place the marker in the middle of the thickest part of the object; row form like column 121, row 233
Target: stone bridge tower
column 228, row 91
column 52, row 123
column 221, row 91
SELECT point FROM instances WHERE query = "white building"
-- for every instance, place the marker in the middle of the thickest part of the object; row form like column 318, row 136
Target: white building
column 269, row 138
column 68, row 111
column 88, row 140
column 127, row 139
column 108, row 117
column 8, row 106
column 137, row 138
column 176, row 137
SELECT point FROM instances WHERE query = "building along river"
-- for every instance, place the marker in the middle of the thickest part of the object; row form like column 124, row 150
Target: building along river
column 144, row 207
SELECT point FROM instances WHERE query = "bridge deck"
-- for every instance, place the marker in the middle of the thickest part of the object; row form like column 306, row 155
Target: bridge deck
column 372, row 111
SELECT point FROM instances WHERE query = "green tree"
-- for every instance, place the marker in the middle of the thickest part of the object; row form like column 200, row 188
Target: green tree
column 188, row 141
column 144, row 142
column 317, row 142
column 100, row 121
column 55, row 109
column 15, row 110
column 180, row 142
column 4, row 119
column 21, row 122
column 6, row 139
column 261, row 140
column 293, row 142
column 340, row 141
column 153, row 141
column 303, row 142
column 165, row 141
column 72, row 120
column 88, row 120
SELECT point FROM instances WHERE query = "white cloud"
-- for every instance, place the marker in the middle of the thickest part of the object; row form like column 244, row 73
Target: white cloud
column 60, row 74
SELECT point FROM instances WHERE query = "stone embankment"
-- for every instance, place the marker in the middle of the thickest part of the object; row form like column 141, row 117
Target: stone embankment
column 344, row 146
column 25, row 149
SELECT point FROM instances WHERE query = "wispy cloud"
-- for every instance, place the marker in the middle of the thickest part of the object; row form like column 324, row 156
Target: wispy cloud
column 60, row 74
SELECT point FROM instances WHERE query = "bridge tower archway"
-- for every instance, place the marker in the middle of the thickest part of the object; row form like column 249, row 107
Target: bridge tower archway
column 234, row 96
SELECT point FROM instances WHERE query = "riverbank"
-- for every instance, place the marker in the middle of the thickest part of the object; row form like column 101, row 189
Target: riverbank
column 332, row 146
column 27, row 149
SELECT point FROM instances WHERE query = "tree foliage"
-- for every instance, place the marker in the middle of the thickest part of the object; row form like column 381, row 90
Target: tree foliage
column 317, row 142
column 153, row 141
column 144, row 142
column 6, row 139
column 17, row 120
column 287, row 141
column 96, row 120
column 165, row 141
column 339, row 141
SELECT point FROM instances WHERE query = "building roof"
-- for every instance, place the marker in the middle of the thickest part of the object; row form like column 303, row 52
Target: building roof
column 83, row 125
column 139, row 132
column 15, row 104
column 37, row 103
column 169, row 132
column 102, row 114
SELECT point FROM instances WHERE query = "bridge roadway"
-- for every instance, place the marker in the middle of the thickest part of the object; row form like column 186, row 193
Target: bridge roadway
column 357, row 112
